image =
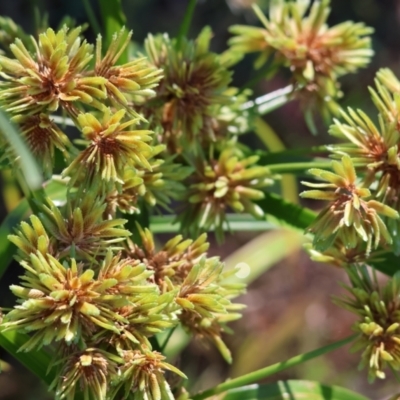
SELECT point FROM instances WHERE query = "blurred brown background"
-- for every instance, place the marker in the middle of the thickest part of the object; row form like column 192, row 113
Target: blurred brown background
column 289, row 310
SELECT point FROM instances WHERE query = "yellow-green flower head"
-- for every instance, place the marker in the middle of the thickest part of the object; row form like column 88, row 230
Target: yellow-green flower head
column 340, row 255
column 349, row 215
column 149, row 314
column 79, row 228
column 124, row 83
column 315, row 53
column 173, row 262
column 43, row 136
column 9, row 32
column 231, row 182
column 113, row 145
column 206, row 304
column 88, row 372
column 143, row 377
column 192, row 92
column 32, row 239
column 375, row 148
column 62, row 302
column 378, row 326
column 145, row 315
column 157, row 186
column 55, row 76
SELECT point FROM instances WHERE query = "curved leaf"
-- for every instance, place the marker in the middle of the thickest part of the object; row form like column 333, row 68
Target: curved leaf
column 288, row 213
column 28, row 163
column 7, row 249
column 36, row 361
column 292, row 390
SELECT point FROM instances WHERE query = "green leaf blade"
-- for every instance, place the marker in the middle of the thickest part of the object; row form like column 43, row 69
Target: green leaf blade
column 293, row 390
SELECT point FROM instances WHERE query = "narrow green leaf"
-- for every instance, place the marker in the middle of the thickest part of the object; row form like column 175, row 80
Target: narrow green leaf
column 270, row 370
column 114, row 20
column 7, row 249
column 287, row 213
column 55, row 190
column 388, row 263
column 36, row 361
column 30, row 169
column 291, row 155
column 185, row 25
column 298, row 167
column 273, row 142
column 293, row 390
column 92, row 17
column 236, row 223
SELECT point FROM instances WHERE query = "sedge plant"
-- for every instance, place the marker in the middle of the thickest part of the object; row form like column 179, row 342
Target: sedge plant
column 103, row 141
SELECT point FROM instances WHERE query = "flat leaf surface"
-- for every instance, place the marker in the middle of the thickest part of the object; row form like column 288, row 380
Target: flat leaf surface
column 36, row 361
column 292, row 390
column 7, row 249
column 291, row 214
column 27, row 161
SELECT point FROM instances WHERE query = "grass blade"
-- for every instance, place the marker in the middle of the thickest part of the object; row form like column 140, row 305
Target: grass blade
column 293, row 390
column 36, row 361
column 270, row 370
column 7, row 249
column 30, row 169
column 114, row 20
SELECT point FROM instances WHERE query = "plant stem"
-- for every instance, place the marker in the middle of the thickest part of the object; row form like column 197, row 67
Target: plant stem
column 184, row 28
column 164, row 345
column 286, row 168
column 92, row 17
column 270, row 370
column 264, row 104
column 242, row 222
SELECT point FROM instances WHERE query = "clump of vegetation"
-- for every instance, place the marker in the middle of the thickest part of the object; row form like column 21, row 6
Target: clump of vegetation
column 102, row 140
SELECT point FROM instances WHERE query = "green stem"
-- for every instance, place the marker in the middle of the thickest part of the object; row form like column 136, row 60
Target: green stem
column 287, row 168
column 262, row 73
column 275, row 157
column 264, row 104
column 164, row 345
column 92, row 17
column 184, row 28
column 236, row 222
column 270, row 370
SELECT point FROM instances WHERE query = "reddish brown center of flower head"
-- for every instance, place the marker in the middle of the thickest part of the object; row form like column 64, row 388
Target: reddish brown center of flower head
column 343, row 196
column 52, row 87
column 107, row 145
column 322, row 57
column 36, row 136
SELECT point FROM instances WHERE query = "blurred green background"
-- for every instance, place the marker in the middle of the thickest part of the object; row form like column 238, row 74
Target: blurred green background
column 289, row 310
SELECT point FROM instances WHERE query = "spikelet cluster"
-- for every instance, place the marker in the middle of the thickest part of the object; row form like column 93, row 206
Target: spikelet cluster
column 95, row 298
column 296, row 35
